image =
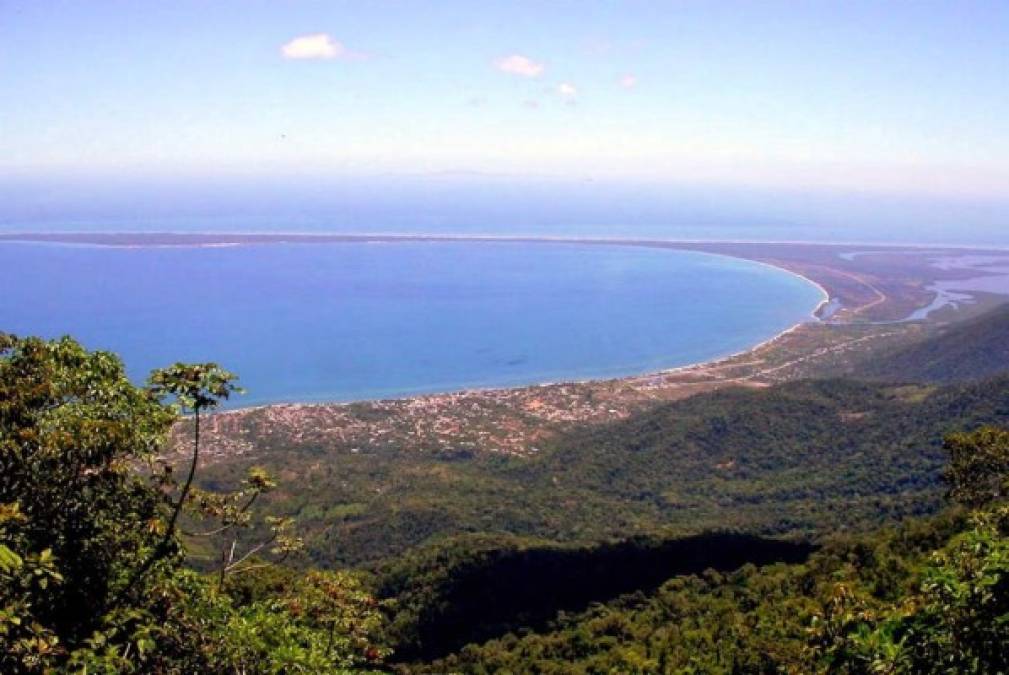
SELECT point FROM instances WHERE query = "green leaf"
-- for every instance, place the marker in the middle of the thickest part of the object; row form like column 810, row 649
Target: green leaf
column 10, row 561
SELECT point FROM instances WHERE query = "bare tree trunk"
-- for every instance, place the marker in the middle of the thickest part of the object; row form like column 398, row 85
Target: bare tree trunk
column 227, row 557
column 162, row 547
column 189, row 481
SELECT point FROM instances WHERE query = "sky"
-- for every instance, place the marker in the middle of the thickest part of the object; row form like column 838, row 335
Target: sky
column 889, row 102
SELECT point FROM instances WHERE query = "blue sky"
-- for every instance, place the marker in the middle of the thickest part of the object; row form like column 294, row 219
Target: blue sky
column 873, row 97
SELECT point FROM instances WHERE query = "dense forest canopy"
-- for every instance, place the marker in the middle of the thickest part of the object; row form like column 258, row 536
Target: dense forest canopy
column 926, row 596
column 112, row 560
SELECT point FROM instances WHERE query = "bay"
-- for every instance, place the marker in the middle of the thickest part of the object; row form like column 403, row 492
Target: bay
column 351, row 321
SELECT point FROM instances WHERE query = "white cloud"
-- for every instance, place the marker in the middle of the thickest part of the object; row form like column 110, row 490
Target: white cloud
column 316, row 46
column 628, row 81
column 516, row 64
column 567, row 90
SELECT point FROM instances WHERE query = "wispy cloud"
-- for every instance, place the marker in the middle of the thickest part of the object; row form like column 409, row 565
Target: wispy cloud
column 317, row 46
column 516, row 64
column 567, row 90
column 628, row 81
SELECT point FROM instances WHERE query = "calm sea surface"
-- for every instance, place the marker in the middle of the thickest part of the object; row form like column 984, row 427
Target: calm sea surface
column 338, row 322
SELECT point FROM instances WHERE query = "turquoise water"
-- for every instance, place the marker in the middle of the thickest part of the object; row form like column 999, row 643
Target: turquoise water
column 348, row 321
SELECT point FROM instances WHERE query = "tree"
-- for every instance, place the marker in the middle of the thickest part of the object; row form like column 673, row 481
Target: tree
column 91, row 558
column 76, row 512
column 957, row 619
column 978, row 469
column 232, row 514
column 195, row 388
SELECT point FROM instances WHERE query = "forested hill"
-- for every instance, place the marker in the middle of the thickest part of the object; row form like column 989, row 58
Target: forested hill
column 781, row 459
column 790, row 459
column 961, row 351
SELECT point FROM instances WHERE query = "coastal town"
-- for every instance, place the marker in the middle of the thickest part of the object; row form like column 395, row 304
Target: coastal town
column 514, row 420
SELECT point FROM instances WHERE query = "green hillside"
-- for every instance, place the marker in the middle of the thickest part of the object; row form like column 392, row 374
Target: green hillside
column 930, row 595
column 861, row 605
column 472, row 588
column 790, row 459
column 967, row 350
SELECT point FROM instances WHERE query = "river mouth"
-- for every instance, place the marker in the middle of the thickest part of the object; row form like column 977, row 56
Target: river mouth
column 345, row 321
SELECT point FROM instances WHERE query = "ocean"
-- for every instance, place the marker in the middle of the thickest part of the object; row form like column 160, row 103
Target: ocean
column 353, row 321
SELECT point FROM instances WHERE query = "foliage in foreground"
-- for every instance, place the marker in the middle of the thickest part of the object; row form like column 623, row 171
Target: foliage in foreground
column 92, row 574
column 91, row 560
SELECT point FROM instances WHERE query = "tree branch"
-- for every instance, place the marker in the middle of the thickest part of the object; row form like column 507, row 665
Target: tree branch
column 162, row 547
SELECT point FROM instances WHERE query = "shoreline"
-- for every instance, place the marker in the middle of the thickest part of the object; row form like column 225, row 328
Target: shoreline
column 714, row 361
column 518, row 419
column 854, row 284
column 686, row 368
column 813, row 316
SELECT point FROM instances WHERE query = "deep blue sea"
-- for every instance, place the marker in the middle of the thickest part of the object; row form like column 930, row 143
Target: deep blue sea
column 348, row 321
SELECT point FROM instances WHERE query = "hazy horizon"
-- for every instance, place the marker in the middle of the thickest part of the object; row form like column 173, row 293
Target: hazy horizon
column 496, row 205
column 823, row 121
